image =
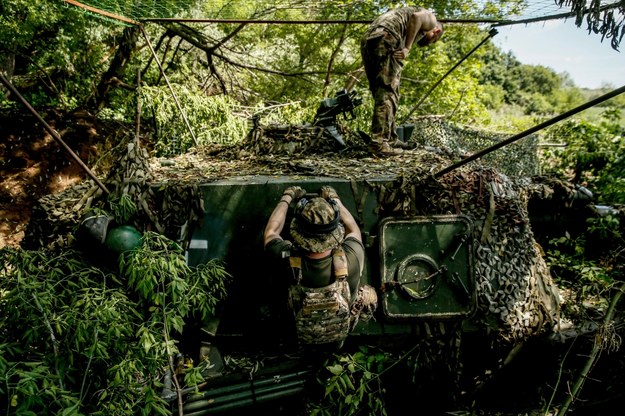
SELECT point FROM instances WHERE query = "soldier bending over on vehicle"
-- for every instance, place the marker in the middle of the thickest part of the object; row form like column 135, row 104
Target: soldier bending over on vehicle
column 383, row 47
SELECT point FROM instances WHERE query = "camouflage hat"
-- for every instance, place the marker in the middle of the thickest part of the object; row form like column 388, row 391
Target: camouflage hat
column 316, row 226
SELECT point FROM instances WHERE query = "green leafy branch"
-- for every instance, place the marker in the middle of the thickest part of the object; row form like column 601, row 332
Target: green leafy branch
column 81, row 340
column 352, row 384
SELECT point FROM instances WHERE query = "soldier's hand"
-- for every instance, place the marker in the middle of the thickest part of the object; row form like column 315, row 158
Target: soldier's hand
column 328, row 192
column 295, row 192
column 401, row 54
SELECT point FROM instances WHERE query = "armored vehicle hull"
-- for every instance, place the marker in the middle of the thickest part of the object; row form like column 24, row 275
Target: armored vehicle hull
column 452, row 258
column 403, row 256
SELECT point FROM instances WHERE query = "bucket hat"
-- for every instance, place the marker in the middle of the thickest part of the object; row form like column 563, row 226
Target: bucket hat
column 316, row 226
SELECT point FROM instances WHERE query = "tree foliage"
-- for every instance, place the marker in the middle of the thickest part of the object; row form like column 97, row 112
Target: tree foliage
column 58, row 55
column 78, row 339
column 592, row 155
column 352, row 384
column 51, row 53
column 213, row 119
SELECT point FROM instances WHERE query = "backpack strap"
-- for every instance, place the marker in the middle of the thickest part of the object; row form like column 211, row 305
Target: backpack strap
column 339, row 263
column 296, row 267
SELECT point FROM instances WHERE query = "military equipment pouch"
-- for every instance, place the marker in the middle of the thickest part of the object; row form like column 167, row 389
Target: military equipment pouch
column 322, row 314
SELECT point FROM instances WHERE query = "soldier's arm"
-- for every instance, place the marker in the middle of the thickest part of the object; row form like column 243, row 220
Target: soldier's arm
column 276, row 220
column 351, row 227
column 275, row 224
column 420, row 22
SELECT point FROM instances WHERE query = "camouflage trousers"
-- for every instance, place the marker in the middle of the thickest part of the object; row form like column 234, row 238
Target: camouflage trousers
column 384, row 74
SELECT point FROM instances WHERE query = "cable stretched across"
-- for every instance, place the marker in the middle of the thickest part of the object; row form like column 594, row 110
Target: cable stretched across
column 531, row 130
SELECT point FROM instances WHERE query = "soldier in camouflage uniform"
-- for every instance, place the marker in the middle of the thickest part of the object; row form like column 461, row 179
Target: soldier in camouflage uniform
column 383, row 47
column 337, row 228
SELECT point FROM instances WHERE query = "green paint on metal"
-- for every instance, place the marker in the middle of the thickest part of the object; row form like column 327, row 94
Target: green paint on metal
column 123, row 238
column 426, row 267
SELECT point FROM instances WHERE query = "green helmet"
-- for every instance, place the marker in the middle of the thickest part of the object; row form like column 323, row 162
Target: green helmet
column 123, row 238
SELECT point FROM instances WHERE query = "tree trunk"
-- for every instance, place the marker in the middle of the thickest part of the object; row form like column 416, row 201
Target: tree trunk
column 112, row 77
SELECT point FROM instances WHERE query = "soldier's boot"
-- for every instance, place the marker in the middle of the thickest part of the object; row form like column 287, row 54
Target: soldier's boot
column 398, row 144
column 384, row 150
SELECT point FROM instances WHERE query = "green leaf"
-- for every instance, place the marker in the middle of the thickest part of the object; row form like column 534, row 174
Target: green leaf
column 348, row 381
column 329, row 389
column 148, row 342
column 335, row 369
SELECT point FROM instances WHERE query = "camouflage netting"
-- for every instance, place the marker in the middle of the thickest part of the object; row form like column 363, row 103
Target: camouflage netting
column 517, row 159
column 168, row 210
column 165, row 209
column 433, row 133
column 55, row 217
column 288, row 139
column 515, row 292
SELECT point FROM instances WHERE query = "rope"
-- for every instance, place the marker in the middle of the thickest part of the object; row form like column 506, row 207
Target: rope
column 149, row 11
column 301, row 22
column 101, row 12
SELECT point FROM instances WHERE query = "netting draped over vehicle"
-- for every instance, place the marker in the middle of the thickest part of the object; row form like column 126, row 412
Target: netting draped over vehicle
column 519, row 159
column 516, row 10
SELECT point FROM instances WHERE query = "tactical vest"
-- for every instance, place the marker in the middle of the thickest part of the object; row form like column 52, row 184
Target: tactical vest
column 321, row 314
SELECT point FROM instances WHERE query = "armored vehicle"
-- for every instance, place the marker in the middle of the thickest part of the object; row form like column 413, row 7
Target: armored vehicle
column 447, row 256
column 453, row 257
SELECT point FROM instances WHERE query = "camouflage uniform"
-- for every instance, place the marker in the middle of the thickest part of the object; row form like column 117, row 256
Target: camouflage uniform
column 384, row 36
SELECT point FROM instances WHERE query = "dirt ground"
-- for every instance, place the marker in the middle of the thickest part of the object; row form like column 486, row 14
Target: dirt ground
column 33, row 164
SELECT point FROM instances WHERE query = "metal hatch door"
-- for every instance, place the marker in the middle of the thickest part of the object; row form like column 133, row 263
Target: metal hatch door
column 427, row 267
